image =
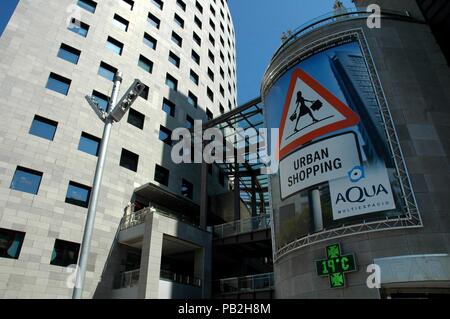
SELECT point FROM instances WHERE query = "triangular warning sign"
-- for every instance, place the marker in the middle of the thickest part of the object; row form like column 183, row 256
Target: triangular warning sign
column 311, row 111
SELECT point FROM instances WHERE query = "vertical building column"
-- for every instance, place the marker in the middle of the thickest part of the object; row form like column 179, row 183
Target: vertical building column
column 237, row 193
column 150, row 259
column 204, row 196
column 316, row 209
column 202, row 269
column 254, row 208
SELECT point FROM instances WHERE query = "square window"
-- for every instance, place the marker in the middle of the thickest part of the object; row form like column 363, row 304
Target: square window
column 158, row 3
column 101, row 99
column 78, row 194
column 145, row 64
column 120, row 22
column 58, row 83
column 198, row 22
column 199, row 6
column 222, row 91
column 168, row 107
column 194, row 77
column 192, row 99
column 154, row 21
column 197, row 39
column 65, row 253
column 181, row 4
column 10, row 243
column 221, row 109
column 145, row 92
column 178, row 20
column 212, row 24
column 162, row 175
column 88, row 5
column 89, row 144
column 189, row 122
column 171, row 82
column 129, row 160
column 26, row 180
column 107, row 71
column 114, row 45
column 43, row 127
column 136, row 119
column 174, row 59
column 165, row 135
column 211, row 56
column 187, row 189
column 69, row 53
column 211, row 74
column 195, row 57
column 209, row 114
column 150, row 41
column 177, row 39
column 210, row 94
column 78, row 27
column 212, row 40
column 129, row 4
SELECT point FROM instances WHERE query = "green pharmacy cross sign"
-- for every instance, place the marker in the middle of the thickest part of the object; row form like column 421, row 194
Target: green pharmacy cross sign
column 336, row 265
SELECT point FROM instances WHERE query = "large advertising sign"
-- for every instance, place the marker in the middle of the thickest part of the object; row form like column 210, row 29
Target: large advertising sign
column 332, row 141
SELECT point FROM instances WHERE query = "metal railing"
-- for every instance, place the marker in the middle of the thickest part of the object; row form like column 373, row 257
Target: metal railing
column 137, row 218
column 242, row 226
column 127, row 279
column 181, row 279
column 245, row 284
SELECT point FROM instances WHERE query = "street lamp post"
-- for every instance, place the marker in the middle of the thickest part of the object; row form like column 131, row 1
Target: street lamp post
column 114, row 113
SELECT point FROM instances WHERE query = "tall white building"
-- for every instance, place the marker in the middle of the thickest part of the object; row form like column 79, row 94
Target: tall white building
column 52, row 54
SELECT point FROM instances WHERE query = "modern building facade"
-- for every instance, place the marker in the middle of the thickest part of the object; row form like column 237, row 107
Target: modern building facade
column 327, row 242
column 53, row 54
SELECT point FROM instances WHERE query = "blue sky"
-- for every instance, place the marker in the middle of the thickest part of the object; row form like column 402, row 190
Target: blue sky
column 259, row 25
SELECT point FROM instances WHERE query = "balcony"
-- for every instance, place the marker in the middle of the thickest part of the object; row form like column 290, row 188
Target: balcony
column 255, row 286
column 243, row 226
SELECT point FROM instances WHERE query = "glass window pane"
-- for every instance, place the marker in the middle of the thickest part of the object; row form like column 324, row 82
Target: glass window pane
column 88, row 5
column 78, row 27
column 64, row 253
column 101, row 99
column 145, row 64
column 89, row 144
column 114, row 45
column 26, row 180
column 10, row 243
column 161, row 175
column 69, row 54
column 150, row 41
column 120, row 23
column 58, row 84
column 43, row 127
column 129, row 160
column 136, row 119
column 78, row 194
column 107, row 71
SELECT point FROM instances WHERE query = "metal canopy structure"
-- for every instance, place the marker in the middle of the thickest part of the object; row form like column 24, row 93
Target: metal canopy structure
column 250, row 183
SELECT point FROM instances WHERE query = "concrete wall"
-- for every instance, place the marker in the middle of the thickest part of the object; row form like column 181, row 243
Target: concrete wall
column 173, row 290
column 415, row 78
column 28, row 53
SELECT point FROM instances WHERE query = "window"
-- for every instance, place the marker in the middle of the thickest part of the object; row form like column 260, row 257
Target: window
column 65, row 253
column 181, row 4
column 165, row 135
column 89, row 144
column 78, row 27
column 194, row 77
column 58, row 84
column 187, row 189
column 10, row 243
column 178, row 20
column 221, row 109
column 195, row 57
column 222, row 91
column 158, row 3
column 162, row 175
column 210, row 94
column 78, row 194
column 197, row 39
column 175, row 60
column 154, row 21
column 120, row 22
column 168, row 107
column 69, row 53
column 145, row 64
column 222, row 73
column 212, row 40
column 171, row 82
column 209, row 114
column 212, row 10
column 177, row 39
column 114, row 45
column 212, row 24
column 199, row 6
column 88, row 5
column 150, row 41
column 26, row 180
column 129, row 4
column 136, row 118
column 107, row 71
column 198, row 22
column 192, row 99
column 211, row 74
column 43, row 127
column 101, row 99
column 189, row 122
column 145, row 92
column 129, row 160
column 211, row 56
